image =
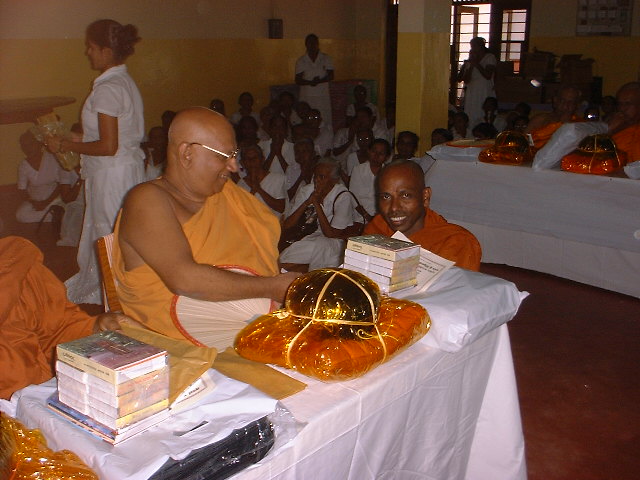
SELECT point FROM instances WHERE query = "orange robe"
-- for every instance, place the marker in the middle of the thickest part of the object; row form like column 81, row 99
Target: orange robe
column 233, row 228
column 628, row 141
column 542, row 135
column 440, row 237
column 35, row 316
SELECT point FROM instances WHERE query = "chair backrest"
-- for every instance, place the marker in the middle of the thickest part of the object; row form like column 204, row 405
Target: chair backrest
column 105, row 251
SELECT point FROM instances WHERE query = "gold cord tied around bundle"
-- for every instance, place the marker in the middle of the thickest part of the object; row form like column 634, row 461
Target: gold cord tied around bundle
column 360, row 333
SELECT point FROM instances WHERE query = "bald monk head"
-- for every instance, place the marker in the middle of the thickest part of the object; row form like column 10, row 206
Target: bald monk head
column 403, row 199
column 628, row 98
column 566, row 102
column 201, row 153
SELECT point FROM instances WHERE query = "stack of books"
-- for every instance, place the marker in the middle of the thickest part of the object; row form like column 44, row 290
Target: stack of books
column 391, row 263
column 111, row 385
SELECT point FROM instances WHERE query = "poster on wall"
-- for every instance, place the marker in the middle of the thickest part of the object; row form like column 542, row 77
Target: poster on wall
column 604, row 17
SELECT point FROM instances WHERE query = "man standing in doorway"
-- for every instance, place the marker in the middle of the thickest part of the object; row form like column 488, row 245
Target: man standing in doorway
column 314, row 71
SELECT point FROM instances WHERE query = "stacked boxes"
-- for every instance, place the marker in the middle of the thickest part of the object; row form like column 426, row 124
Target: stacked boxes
column 111, row 380
column 391, row 263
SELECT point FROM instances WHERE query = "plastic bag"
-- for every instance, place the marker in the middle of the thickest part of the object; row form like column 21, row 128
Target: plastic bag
column 334, row 326
column 633, row 170
column 24, row 455
column 564, row 141
column 49, row 125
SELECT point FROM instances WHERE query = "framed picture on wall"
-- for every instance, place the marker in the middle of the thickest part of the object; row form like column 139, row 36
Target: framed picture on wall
column 604, row 17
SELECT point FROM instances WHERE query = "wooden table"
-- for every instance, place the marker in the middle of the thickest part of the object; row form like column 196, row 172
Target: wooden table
column 23, row 110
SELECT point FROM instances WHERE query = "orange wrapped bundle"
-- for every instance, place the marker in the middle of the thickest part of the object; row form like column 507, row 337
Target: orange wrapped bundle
column 511, row 148
column 24, row 454
column 596, row 154
column 334, row 325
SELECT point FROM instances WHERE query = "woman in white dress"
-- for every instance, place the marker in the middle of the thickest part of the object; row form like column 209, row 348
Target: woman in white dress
column 112, row 160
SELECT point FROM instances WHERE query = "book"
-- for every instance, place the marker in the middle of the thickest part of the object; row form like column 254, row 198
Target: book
column 113, row 406
column 381, row 246
column 430, row 269
column 380, row 265
column 395, row 287
column 101, row 388
column 382, row 279
column 110, row 435
column 394, row 274
column 112, row 356
column 95, row 411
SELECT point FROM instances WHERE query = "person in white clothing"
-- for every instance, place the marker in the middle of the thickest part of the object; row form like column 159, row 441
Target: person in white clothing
column 278, row 150
column 314, row 71
column 362, row 183
column 155, row 150
column 460, row 129
column 44, row 182
column 112, row 160
column 406, row 147
column 477, row 73
column 267, row 186
column 364, row 140
column 360, row 97
column 301, row 173
column 245, row 101
column 318, row 220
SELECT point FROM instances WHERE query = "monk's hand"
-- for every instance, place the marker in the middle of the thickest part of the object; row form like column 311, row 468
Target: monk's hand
column 113, row 321
column 281, row 284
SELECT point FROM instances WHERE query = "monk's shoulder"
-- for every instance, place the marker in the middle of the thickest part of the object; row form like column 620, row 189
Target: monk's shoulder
column 144, row 193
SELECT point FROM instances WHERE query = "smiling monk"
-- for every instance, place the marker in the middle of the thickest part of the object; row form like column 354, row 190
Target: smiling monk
column 175, row 231
column 403, row 203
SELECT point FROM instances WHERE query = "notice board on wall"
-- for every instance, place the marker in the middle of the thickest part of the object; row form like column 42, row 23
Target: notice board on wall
column 604, row 17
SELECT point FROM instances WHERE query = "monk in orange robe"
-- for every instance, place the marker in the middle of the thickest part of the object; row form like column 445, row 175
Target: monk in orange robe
column 403, row 203
column 565, row 104
column 625, row 124
column 35, row 316
column 173, row 231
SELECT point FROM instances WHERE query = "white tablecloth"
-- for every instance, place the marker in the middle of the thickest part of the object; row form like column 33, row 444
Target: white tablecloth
column 426, row 413
column 582, row 227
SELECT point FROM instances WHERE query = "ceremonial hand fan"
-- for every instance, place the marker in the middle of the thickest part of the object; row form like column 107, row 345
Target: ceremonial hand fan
column 216, row 324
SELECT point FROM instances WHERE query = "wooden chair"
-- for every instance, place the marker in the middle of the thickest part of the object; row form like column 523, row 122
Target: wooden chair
column 105, row 252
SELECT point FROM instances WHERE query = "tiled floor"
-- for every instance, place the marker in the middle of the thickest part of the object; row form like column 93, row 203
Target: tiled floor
column 577, row 356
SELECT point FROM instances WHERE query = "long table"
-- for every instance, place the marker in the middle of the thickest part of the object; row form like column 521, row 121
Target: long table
column 429, row 412
column 581, row 227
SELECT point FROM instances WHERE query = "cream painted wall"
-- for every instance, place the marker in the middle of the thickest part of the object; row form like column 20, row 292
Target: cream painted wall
column 557, row 18
column 617, row 59
column 191, row 52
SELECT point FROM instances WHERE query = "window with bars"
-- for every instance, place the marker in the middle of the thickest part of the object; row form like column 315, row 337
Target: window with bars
column 514, row 31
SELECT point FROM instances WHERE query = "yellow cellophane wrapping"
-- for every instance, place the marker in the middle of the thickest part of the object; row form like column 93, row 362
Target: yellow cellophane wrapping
column 596, row 154
column 24, row 455
column 327, row 350
column 511, row 148
column 49, row 124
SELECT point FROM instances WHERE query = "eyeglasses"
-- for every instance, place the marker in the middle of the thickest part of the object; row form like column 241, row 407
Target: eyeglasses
column 227, row 156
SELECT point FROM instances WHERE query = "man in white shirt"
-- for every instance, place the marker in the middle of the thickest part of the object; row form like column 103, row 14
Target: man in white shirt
column 314, row 71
